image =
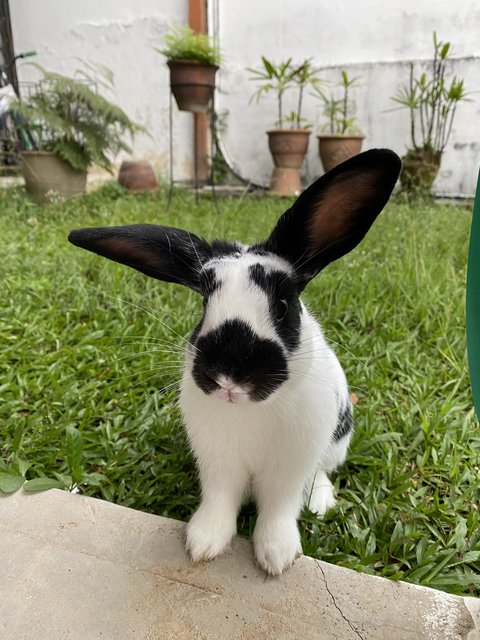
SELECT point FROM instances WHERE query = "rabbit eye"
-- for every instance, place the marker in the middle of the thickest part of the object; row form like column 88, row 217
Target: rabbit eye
column 281, row 309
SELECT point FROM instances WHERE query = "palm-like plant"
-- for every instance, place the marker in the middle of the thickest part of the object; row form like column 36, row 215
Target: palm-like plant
column 432, row 102
column 279, row 78
column 338, row 110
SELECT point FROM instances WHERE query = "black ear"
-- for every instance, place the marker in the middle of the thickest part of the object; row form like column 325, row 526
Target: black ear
column 331, row 217
column 160, row 252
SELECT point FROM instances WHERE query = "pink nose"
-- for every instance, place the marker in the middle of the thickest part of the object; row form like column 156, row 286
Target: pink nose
column 229, row 391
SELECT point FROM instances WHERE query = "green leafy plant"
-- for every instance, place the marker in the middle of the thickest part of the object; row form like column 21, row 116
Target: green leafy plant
column 432, row 101
column 69, row 118
column 278, row 78
column 184, row 44
column 338, row 110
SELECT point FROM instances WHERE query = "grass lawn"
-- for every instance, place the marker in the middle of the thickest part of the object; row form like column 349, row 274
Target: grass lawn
column 90, row 361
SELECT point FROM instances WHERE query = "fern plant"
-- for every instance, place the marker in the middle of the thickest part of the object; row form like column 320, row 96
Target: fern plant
column 184, row 44
column 70, row 119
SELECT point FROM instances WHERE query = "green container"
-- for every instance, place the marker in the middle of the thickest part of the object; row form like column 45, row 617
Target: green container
column 473, row 302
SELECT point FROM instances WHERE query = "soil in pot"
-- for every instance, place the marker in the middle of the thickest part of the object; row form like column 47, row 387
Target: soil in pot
column 334, row 150
column 192, row 84
column 288, row 148
column 48, row 177
column 419, row 170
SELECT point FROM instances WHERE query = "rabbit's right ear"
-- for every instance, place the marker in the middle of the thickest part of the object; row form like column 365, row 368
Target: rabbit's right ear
column 332, row 216
column 165, row 253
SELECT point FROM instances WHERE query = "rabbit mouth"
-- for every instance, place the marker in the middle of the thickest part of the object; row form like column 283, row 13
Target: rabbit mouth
column 230, row 392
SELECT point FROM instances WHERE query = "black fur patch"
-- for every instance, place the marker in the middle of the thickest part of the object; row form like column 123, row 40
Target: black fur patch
column 222, row 248
column 285, row 308
column 208, row 282
column 344, row 424
column 235, row 351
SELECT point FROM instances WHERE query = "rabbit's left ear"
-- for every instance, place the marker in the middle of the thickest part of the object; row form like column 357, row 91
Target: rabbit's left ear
column 165, row 253
column 331, row 217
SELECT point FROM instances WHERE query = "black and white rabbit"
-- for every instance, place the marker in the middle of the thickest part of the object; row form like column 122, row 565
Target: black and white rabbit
column 264, row 398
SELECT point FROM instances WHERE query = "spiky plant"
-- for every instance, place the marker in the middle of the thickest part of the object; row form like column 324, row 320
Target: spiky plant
column 72, row 120
column 432, row 102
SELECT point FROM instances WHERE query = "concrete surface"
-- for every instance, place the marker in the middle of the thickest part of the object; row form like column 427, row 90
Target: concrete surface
column 79, row 568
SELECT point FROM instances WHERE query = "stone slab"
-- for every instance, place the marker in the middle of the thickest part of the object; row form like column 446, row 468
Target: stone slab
column 82, row 569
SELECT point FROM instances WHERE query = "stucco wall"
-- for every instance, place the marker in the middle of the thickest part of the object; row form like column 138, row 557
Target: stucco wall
column 373, row 39
column 120, row 34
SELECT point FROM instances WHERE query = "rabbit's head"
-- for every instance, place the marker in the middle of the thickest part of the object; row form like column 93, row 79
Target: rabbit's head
column 252, row 313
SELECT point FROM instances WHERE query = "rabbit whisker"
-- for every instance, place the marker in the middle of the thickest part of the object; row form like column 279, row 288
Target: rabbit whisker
column 136, row 306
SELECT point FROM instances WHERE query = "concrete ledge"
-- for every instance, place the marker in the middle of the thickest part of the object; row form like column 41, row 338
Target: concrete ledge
column 79, row 568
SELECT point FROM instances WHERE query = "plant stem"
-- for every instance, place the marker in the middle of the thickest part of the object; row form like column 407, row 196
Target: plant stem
column 345, row 108
column 280, row 118
column 449, row 130
column 412, row 114
column 299, row 109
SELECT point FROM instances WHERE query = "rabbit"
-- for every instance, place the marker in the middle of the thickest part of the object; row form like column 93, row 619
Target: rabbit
column 264, row 399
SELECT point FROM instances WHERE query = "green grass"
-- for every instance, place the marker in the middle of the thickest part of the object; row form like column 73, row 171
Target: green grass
column 81, row 386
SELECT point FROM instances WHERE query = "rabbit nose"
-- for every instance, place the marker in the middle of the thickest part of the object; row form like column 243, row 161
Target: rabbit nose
column 229, row 390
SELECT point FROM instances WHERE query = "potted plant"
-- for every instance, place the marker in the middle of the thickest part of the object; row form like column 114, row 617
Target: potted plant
column 343, row 139
column 432, row 103
column 288, row 142
column 74, row 127
column 193, row 60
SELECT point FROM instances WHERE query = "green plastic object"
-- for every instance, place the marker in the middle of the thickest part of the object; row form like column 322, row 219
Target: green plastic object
column 473, row 302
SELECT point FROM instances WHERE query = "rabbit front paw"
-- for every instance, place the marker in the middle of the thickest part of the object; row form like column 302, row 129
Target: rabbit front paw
column 208, row 534
column 322, row 499
column 277, row 544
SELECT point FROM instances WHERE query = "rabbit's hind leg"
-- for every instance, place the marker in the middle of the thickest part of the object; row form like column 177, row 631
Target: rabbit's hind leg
column 320, row 495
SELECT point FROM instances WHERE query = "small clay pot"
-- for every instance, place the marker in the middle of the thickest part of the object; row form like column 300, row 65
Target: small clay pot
column 336, row 149
column 288, row 148
column 137, row 176
column 192, row 84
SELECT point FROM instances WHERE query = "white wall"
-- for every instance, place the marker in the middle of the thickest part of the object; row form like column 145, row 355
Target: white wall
column 120, row 34
column 349, row 34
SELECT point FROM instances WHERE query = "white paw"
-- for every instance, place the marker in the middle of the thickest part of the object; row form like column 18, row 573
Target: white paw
column 208, row 534
column 322, row 499
column 277, row 544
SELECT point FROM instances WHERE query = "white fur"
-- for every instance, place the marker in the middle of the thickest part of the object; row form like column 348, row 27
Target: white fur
column 277, row 450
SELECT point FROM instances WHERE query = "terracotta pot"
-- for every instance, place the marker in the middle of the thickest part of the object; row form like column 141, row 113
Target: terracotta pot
column 192, row 84
column 137, row 176
column 288, row 148
column 334, row 150
column 419, row 169
column 48, row 177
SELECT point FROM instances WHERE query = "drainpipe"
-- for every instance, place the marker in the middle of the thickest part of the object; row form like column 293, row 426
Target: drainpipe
column 197, row 20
